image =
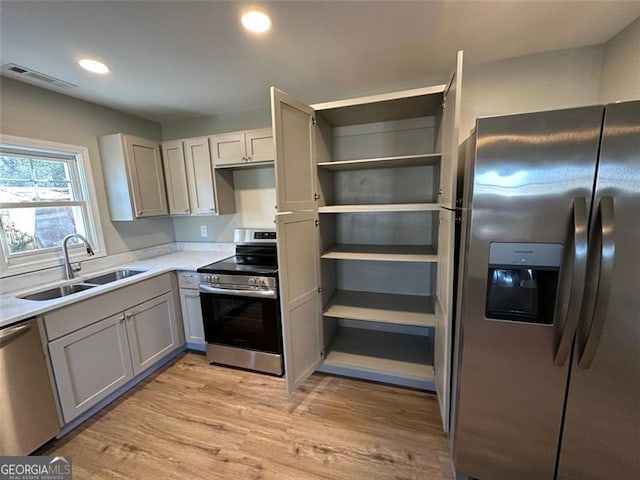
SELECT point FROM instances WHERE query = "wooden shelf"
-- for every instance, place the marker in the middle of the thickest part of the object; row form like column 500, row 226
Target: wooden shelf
column 383, row 162
column 387, row 253
column 381, row 356
column 382, row 307
column 381, row 208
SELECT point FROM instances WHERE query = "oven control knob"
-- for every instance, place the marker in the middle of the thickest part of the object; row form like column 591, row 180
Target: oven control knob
column 215, row 278
column 252, row 281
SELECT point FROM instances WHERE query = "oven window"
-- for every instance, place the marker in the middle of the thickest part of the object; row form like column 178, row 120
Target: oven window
column 242, row 322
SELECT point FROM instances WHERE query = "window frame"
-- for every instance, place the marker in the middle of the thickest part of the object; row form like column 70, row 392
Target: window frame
column 30, row 261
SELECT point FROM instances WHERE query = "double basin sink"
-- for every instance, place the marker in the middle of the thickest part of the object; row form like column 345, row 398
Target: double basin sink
column 86, row 284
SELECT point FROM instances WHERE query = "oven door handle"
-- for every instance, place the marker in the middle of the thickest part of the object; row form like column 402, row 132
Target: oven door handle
column 205, row 288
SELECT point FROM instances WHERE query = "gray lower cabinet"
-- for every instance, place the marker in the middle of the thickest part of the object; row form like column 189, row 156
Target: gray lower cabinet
column 191, row 311
column 192, row 318
column 93, row 356
column 90, row 364
column 152, row 331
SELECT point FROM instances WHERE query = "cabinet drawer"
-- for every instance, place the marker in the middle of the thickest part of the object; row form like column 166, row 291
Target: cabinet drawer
column 74, row 317
column 187, row 279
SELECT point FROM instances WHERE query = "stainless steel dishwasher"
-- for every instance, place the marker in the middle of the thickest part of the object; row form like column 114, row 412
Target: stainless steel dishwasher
column 27, row 410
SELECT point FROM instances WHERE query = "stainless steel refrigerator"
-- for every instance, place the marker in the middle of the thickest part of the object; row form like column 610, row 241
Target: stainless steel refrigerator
column 547, row 353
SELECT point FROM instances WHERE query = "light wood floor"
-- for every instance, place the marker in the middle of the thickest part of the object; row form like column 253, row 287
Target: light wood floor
column 196, row 421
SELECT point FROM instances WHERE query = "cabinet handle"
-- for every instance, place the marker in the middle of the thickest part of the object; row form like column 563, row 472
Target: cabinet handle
column 129, row 315
column 248, row 159
column 140, row 212
column 121, row 318
column 187, row 211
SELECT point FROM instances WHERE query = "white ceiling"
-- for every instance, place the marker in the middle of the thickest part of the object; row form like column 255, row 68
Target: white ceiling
column 177, row 59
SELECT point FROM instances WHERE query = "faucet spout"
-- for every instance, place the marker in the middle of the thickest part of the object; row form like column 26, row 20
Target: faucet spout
column 68, row 269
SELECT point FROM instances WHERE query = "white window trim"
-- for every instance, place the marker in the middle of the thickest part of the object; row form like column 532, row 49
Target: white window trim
column 48, row 259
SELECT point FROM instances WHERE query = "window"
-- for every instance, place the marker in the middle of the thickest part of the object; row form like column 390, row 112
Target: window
column 45, row 194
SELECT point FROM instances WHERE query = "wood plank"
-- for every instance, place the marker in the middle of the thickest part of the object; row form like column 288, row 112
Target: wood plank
column 385, row 253
column 385, row 207
column 382, row 354
column 381, row 307
column 383, row 162
column 195, row 420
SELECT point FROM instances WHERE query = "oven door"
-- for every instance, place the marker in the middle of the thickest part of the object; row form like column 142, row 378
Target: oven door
column 241, row 320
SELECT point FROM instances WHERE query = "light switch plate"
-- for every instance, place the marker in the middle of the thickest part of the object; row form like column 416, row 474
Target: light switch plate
column 203, row 231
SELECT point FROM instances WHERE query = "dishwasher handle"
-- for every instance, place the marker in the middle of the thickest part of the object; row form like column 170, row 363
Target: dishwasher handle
column 7, row 335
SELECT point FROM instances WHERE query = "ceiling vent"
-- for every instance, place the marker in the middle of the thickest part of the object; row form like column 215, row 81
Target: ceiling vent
column 25, row 73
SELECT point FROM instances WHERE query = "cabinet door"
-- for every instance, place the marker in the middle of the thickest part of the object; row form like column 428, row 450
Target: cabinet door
column 152, row 331
column 448, row 140
column 147, row 179
column 200, row 175
column 299, row 296
column 228, row 149
column 90, row 364
column 192, row 318
column 294, row 140
column 259, row 145
column 444, row 312
column 175, row 174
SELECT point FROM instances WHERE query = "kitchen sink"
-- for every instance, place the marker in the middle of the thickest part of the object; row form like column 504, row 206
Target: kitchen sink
column 58, row 292
column 112, row 276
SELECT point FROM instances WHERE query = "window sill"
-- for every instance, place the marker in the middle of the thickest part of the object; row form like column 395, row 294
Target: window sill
column 26, row 266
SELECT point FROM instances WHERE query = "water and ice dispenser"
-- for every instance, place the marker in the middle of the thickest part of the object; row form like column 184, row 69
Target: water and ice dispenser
column 522, row 281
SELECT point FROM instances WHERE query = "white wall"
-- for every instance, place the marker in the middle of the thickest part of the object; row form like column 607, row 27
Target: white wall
column 228, row 122
column 543, row 81
column 620, row 79
column 255, row 193
column 29, row 111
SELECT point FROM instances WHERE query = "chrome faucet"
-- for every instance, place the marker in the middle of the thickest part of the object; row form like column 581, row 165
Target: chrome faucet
column 68, row 269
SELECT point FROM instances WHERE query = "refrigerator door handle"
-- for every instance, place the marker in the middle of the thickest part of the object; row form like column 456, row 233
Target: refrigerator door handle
column 578, row 276
column 606, row 218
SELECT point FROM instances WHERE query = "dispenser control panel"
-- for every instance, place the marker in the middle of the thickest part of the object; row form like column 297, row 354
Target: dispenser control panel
column 526, row 254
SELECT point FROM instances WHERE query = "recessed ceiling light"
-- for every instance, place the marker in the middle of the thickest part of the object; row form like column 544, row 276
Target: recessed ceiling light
column 256, row 21
column 93, row 66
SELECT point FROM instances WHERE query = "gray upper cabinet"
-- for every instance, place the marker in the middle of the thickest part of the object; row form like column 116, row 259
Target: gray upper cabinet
column 134, row 178
column 294, row 138
column 228, row 148
column 193, row 186
column 241, row 149
column 200, row 175
column 447, row 140
column 259, row 145
column 175, row 172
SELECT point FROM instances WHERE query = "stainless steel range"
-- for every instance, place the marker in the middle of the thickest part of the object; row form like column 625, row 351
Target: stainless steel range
column 240, row 305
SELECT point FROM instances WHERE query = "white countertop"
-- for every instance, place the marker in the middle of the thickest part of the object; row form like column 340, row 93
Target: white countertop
column 13, row 310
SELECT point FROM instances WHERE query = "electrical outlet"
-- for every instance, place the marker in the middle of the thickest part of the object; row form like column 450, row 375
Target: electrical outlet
column 203, row 231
